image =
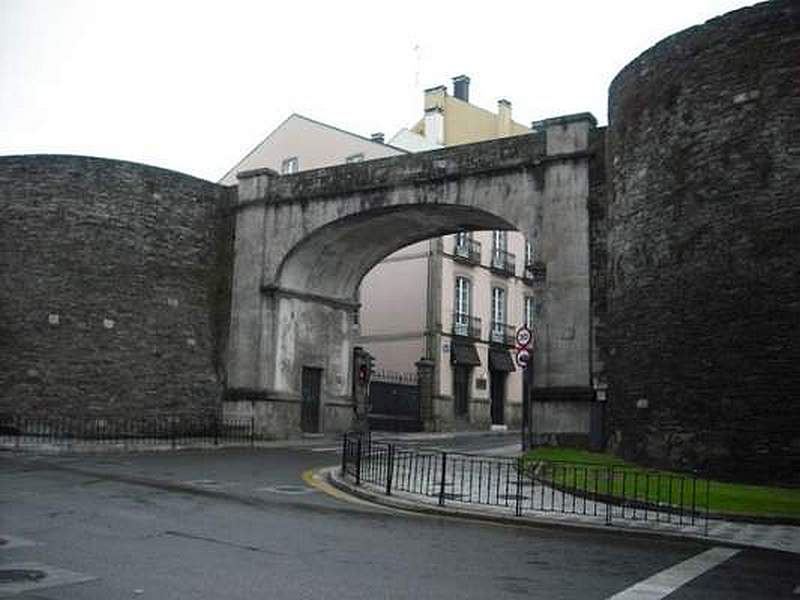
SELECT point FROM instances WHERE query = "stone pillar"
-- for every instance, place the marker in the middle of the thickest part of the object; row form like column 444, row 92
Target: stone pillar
column 249, row 312
column 425, row 371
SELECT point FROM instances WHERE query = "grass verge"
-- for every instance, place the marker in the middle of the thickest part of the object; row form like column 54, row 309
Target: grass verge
column 601, row 473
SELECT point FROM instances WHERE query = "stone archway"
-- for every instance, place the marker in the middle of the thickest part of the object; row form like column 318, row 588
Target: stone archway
column 305, row 241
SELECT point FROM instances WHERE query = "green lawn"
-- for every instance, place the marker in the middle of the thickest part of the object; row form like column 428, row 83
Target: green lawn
column 601, row 472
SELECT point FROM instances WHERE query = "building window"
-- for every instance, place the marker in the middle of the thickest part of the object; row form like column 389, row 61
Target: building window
column 502, row 260
column 462, row 298
column 499, row 242
column 464, row 324
column 354, row 158
column 290, row 165
column 462, row 306
column 528, row 312
column 498, row 314
column 465, row 249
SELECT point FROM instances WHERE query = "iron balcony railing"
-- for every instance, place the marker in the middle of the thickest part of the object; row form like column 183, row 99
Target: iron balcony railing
column 527, row 275
column 501, row 334
column 535, row 272
column 503, row 262
column 468, row 251
column 465, row 325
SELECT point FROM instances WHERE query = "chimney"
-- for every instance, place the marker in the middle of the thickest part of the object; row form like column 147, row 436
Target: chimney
column 461, row 87
column 434, row 125
column 434, row 97
column 377, row 137
column 503, row 118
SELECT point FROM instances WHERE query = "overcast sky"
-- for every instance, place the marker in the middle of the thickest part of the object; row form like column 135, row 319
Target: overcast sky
column 194, row 85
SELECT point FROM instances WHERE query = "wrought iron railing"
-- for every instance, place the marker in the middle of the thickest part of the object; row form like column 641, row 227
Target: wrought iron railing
column 468, row 250
column 501, row 333
column 534, row 273
column 605, row 493
column 465, row 325
column 204, row 428
column 503, row 262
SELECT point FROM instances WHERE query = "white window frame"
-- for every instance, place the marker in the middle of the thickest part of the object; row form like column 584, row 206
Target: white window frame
column 499, row 299
column 290, row 165
column 462, row 304
column 528, row 311
column 500, row 240
column 463, row 296
column 499, row 246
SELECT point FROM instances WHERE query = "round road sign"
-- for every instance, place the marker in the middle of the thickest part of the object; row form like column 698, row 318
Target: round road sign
column 523, row 357
column 524, row 337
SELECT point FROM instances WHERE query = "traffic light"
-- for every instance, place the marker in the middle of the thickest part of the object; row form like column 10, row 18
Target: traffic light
column 370, row 366
column 364, row 364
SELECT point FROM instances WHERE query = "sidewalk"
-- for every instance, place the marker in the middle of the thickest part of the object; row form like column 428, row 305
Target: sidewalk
column 307, row 440
column 501, row 508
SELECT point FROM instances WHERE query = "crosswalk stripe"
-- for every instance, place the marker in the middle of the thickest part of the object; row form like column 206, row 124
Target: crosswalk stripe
column 662, row 584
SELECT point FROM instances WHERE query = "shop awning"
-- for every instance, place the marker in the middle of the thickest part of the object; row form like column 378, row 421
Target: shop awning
column 500, row 360
column 464, row 353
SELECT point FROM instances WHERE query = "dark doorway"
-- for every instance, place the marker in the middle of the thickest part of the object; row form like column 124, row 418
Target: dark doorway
column 498, row 391
column 461, row 380
column 309, row 411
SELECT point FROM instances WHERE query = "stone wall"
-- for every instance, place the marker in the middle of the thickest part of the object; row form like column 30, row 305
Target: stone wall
column 114, row 287
column 704, row 317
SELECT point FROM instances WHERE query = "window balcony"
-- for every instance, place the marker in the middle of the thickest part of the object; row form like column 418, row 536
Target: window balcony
column 468, row 251
column 466, row 326
column 501, row 334
column 503, row 263
column 534, row 273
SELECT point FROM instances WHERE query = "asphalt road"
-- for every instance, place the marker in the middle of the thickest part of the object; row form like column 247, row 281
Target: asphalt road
column 250, row 527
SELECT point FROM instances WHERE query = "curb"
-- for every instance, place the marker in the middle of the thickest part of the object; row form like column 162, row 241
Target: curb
column 331, row 475
column 102, row 448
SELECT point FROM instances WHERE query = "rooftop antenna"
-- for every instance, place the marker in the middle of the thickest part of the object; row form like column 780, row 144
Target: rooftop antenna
column 417, row 63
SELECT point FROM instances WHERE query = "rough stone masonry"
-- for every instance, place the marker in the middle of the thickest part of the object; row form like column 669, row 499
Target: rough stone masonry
column 673, row 261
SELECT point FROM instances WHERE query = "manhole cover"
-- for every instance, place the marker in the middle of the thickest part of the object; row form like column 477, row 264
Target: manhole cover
column 21, row 575
column 3, row 541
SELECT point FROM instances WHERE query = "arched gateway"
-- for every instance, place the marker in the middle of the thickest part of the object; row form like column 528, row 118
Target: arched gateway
column 303, row 243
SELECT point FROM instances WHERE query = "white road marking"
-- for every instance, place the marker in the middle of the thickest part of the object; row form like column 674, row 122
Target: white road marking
column 328, row 449
column 667, row 581
column 210, row 483
column 292, row 490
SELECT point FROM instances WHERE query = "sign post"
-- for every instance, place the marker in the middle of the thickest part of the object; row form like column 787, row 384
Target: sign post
column 524, row 339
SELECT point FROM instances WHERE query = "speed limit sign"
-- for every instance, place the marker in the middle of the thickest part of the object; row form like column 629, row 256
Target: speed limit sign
column 524, row 337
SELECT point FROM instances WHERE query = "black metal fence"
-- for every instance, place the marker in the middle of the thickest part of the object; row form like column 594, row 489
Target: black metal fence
column 606, row 493
column 208, row 428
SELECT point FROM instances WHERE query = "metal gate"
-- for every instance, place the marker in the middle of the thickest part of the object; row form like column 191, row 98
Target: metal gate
column 394, row 402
